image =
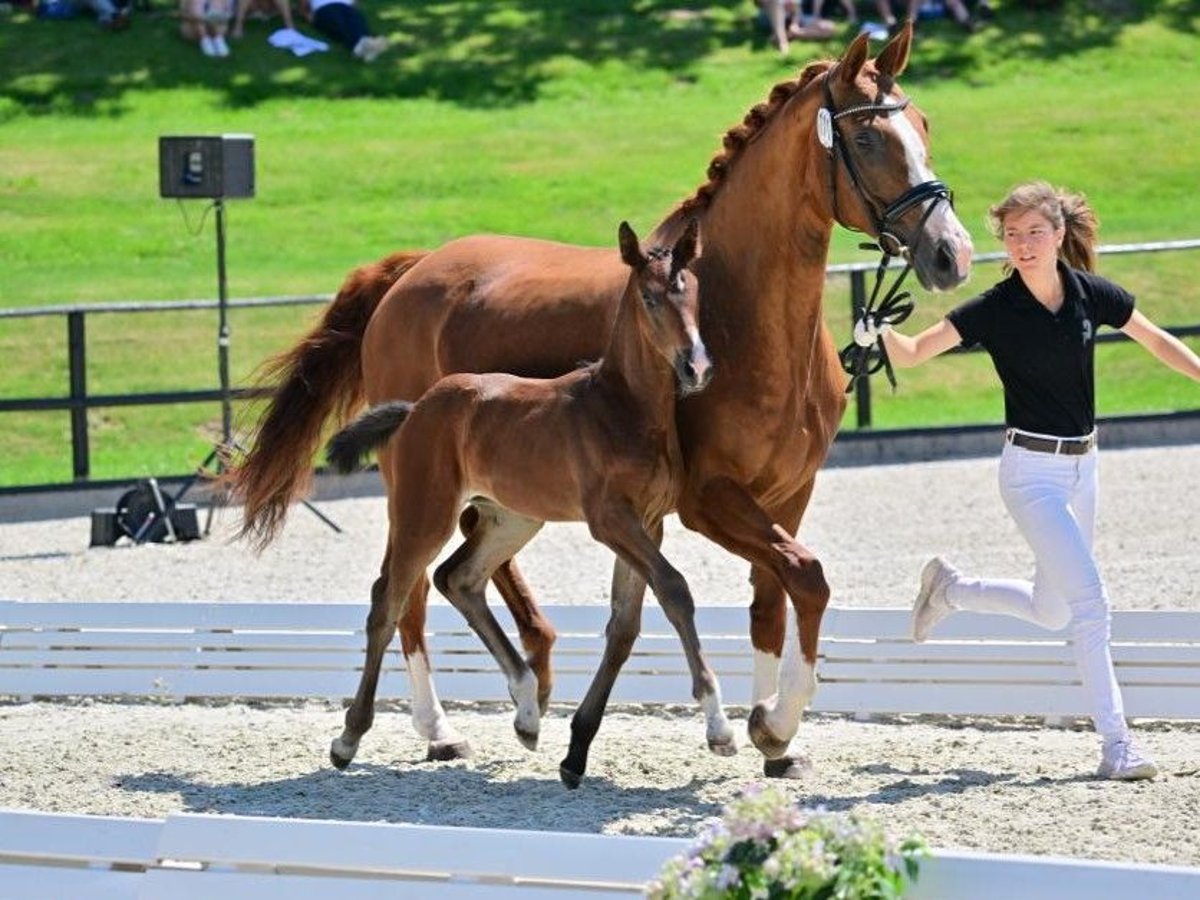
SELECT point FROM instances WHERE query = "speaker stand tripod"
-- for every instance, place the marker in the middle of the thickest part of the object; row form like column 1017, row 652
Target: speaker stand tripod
column 222, row 450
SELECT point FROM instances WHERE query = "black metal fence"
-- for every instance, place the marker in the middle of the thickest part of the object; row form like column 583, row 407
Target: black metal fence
column 78, row 400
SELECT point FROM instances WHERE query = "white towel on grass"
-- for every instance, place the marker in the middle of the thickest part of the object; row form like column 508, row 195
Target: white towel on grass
column 299, row 44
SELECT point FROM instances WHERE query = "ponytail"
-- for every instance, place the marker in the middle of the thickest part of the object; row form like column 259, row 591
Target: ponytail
column 1063, row 210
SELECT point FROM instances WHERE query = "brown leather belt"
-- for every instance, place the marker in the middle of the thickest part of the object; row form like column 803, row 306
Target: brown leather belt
column 1065, row 446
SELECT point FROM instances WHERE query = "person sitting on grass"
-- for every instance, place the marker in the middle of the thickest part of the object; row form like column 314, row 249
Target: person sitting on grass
column 261, row 9
column 343, row 22
column 206, row 22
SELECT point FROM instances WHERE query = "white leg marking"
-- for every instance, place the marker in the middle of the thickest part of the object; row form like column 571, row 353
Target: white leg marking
column 766, row 675
column 717, row 729
column 429, row 719
column 524, row 693
column 797, row 683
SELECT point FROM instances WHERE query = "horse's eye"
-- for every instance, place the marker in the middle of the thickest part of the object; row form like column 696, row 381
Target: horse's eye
column 864, row 139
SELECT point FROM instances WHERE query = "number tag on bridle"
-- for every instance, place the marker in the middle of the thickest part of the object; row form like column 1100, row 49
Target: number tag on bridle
column 825, row 128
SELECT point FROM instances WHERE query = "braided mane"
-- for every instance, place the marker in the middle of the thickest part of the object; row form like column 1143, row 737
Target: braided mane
column 737, row 138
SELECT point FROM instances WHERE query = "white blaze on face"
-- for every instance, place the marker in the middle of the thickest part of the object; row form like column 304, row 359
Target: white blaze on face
column 914, row 148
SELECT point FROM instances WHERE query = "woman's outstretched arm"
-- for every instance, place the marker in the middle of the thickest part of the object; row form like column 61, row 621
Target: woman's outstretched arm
column 1162, row 345
column 907, row 352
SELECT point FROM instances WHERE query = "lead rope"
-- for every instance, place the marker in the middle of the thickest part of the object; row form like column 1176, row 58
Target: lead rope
column 892, row 310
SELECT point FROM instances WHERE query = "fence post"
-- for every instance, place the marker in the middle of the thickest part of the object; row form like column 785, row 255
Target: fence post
column 862, row 386
column 77, row 361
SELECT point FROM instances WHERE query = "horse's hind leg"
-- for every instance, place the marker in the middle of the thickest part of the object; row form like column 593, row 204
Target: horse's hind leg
column 428, row 718
column 536, row 632
column 428, row 510
column 497, row 536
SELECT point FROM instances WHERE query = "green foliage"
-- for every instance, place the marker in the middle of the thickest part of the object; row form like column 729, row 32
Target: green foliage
column 764, row 847
column 523, row 116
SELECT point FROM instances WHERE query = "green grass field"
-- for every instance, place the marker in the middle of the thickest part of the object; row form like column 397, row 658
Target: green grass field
column 532, row 117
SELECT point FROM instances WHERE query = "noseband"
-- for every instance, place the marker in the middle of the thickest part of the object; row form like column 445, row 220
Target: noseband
column 894, row 307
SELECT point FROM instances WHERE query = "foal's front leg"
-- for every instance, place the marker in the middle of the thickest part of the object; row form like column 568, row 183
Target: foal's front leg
column 621, row 530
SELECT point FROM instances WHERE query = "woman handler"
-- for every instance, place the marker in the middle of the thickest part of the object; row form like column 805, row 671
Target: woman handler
column 1039, row 327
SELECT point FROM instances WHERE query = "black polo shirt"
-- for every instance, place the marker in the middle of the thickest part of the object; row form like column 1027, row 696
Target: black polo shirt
column 1045, row 359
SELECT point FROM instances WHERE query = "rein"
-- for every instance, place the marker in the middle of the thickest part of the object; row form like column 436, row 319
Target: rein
column 895, row 306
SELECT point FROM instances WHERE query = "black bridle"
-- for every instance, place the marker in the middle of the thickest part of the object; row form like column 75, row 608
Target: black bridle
column 894, row 307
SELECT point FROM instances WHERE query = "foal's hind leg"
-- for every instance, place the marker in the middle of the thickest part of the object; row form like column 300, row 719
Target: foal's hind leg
column 537, row 634
column 428, row 520
column 428, row 718
column 620, row 529
column 496, row 538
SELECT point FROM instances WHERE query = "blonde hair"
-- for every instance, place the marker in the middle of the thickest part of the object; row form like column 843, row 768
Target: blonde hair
column 1063, row 210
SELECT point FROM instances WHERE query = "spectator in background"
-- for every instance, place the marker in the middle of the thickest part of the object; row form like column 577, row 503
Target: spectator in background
column 113, row 15
column 934, row 9
column 206, row 22
column 784, row 21
column 341, row 21
column 261, row 9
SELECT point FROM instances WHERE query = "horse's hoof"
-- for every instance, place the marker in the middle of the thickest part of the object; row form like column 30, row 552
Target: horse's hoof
column 723, row 747
column 570, row 779
column 787, row 767
column 528, row 739
column 341, row 753
column 762, row 737
column 447, row 751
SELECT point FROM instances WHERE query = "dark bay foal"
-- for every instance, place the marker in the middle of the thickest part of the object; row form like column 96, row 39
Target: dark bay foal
column 596, row 445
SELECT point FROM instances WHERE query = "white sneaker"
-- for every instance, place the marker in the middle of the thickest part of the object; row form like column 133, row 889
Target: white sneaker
column 219, row 45
column 931, row 605
column 207, row 46
column 1122, row 761
column 369, row 48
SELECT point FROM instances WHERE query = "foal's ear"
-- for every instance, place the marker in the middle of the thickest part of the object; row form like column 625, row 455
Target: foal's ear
column 687, row 247
column 631, row 250
column 893, row 59
column 853, row 59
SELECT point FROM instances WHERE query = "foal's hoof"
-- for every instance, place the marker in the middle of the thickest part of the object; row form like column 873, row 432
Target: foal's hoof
column 762, row 737
column 723, row 746
column 787, row 767
column 570, row 779
column 341, row 753
column 447, row 751
column 528, row 739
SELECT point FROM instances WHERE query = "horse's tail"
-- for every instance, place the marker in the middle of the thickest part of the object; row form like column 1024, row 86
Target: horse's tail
column 346, row 449
column 320, row 377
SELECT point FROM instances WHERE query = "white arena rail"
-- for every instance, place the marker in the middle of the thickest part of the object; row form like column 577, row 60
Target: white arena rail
column 976, row 665
column 204, row 857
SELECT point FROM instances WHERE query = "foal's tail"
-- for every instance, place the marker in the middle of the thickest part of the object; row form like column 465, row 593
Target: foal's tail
column 346, row 449
column 320, row 377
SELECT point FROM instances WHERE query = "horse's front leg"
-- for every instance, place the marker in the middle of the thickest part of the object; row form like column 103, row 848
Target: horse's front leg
column 638, row 550
column 723, row 511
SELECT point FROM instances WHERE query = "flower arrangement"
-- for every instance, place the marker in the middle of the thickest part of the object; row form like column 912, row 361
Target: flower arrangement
column 765, row 846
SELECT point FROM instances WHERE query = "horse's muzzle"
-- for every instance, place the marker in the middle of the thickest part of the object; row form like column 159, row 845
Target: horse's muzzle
column 693, row 370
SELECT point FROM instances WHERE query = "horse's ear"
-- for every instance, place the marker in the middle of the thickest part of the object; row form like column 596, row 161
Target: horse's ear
column 687, row 247
column 631, row 250
column 853, row 59
column 893, row 59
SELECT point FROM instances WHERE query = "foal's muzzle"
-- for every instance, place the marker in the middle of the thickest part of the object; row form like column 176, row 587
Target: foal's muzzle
column 693, row 370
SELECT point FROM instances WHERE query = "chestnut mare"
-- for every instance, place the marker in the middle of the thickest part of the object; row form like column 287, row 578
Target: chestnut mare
column 841, row 143
column 596, row 445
